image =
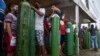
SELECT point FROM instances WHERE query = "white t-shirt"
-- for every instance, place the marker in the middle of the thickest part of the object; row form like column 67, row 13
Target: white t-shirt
column 39, row 20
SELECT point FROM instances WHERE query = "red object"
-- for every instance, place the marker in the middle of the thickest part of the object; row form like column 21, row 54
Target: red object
column 9, row 49
column 63, row 29
column 46, row 25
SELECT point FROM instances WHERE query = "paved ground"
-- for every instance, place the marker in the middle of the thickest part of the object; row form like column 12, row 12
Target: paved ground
column 84, row 53
column 89, row 53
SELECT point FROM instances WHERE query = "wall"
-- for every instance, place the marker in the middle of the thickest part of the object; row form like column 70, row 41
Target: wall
column 94, row 7
column 84, row 2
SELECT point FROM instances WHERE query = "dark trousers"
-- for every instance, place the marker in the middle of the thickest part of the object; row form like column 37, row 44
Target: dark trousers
column 1, row 36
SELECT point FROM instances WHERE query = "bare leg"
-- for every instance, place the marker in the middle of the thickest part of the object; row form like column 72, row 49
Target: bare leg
column 44, row 52
column 10, row 54
column 61, row 49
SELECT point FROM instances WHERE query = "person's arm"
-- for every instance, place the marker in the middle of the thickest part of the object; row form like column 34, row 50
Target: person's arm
column 56, row 9
column 4, row 26
column 37, row 11
column 9, row 29
column 50, row 17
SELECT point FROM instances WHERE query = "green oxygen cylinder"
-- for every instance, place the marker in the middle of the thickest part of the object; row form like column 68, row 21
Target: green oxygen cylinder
column 23, row 28
column 55, row 36
column 75, row 41
column 87, row 39
column 32, row 33
column 69, row 49
column 98, row 37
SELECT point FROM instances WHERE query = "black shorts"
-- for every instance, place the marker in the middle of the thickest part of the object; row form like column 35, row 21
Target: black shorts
column 62, row 39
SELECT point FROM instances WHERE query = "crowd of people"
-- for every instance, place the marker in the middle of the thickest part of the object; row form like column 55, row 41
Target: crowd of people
column 8, row 27
column 91, row 35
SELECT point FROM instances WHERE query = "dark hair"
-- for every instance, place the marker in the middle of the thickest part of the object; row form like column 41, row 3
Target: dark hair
column 37, row 2
column 92, row 26
column 8, row 9
column 36, row 6
column 56, row 4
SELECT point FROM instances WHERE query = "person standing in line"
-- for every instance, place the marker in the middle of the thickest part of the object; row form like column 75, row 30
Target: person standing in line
column 63, row 33
column 94, row 43
column 10, row 24
column 81, row 37
column 39, row 27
